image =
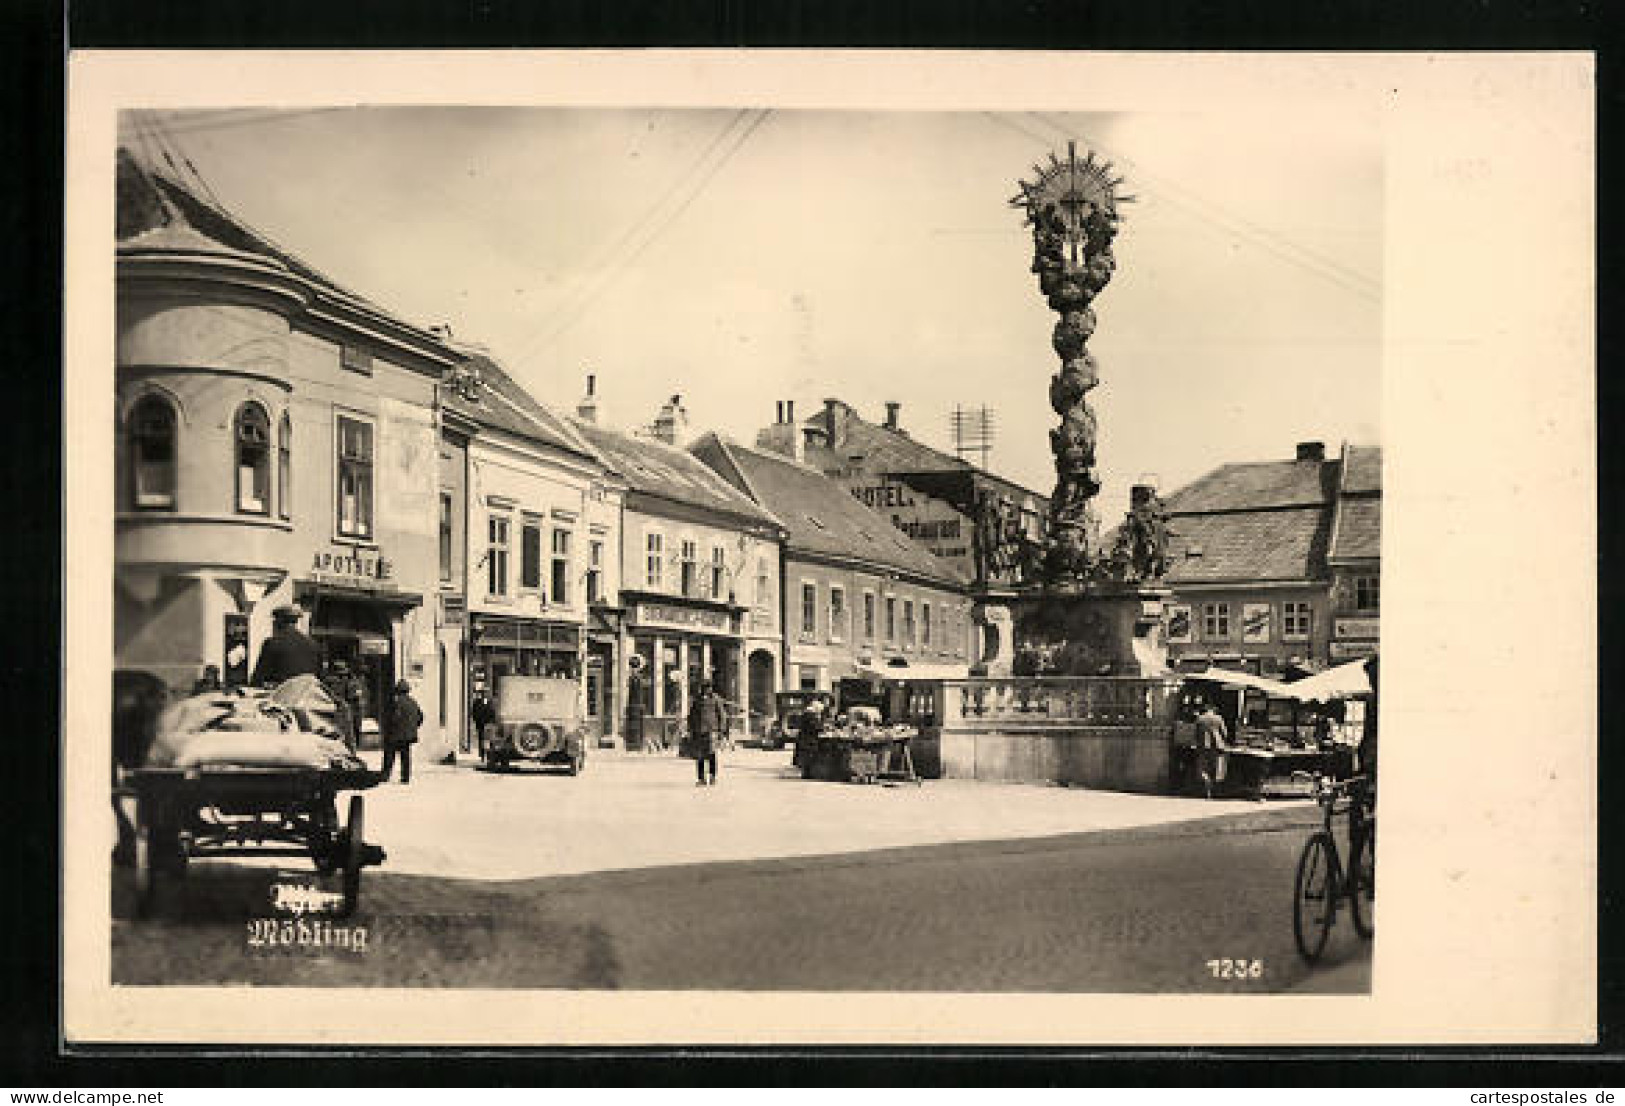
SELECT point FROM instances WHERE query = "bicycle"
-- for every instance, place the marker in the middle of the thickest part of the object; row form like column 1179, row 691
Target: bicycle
column 1321, row 882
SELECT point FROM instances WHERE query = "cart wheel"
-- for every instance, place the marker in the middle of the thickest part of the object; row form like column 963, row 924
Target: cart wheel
column 353, row 850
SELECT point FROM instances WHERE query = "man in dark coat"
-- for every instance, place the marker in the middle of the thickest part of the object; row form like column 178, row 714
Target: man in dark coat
column 288, row 652
column 401, row 731
column 345, row 713
column 1211, row 737
column 482, row 712
column 707, row 722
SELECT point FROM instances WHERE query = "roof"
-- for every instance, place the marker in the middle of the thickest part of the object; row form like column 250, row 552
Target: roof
column 159, row 212
column 1257, row 484
column 1248, row 545
column 820, row 516
column 503, row 404
column 1362, row 469
column 656, row 469
column 1359, row 529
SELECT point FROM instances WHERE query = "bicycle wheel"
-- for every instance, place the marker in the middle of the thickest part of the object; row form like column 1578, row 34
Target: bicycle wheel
column 1314, row 901
column 1363, row 882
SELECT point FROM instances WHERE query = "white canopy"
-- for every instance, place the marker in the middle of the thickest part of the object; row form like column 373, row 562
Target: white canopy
column 1343, row 682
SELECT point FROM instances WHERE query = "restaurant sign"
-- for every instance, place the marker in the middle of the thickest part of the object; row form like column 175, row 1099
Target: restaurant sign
column 684, row 618
column 361, row 568
column 1346, row 629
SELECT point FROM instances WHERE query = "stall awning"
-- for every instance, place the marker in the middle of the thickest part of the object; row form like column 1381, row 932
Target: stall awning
column 1230, row 678
column 1346, row 681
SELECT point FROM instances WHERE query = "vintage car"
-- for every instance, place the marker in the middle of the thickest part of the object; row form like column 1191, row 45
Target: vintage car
column 786, row 726
column 538, row 720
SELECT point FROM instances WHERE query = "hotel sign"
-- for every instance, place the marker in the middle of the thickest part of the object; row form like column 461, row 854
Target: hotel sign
column 1355, row 629
column 362, row 568
column 684, row 618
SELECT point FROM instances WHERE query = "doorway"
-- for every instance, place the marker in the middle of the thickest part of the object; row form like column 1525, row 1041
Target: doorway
column 762, row 690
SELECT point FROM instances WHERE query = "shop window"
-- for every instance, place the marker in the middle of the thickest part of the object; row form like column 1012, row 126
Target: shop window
column 654, row 563
column 496, row 555
column 1366, row 594
column 445, row 537
column 284, row 468
column 908, row 623
column 152, row 449
column 1216, row 621
column 1296, row 621
column 837, row 613
column 809, row 610
column 689, row 567
column 925, row 625
column 869, row 616
column 355, row 477
column 891, row 619
column 595, row 572
column 719, row 572
column 530, row 555
column 253, row 446
column 561, row 567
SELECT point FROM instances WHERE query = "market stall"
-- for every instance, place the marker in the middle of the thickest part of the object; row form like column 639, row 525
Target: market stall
column 857, row 748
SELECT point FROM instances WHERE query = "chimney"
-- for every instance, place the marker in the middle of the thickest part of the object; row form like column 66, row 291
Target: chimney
column 671, row 425
column 1141, row 494
column 1311, row 451
column 789, row 410
column 784, row 436
column 892, row 407
column 587, row 408
column 829, row 422
column 778, row 413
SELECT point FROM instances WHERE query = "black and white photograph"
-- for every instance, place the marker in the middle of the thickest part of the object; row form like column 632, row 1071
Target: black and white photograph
column 758, row 547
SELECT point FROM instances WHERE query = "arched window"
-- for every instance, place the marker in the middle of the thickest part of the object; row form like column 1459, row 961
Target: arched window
column 284, row 468
column 253, row 453
column 152, row 452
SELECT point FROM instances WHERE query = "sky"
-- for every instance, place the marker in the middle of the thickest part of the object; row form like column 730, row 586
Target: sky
column 741, row 257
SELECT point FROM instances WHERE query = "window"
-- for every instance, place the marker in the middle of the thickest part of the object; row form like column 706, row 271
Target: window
column 1216, row 621
column 284, row 468
column 1295, row 621
column 1365, row 593
column 764, row 585
column 253, row 444
column 496, row 555
column 688, row 566
column 809, row 610
column 719, row 571
column 445, row 537
column 837, row 613
column 530, row 555
column 908, row 623
column 355, row 478
column 654, row 564
column 891, row 618
column 925, row 625
column 869, row 615
column 152, row 449
column 561, row 566
column 595, row 572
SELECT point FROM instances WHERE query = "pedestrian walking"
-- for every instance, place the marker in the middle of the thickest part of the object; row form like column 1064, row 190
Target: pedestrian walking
column 482, row 712
column 288, row 652
column 707, row 721
column 1211, row 739
column 401, row 731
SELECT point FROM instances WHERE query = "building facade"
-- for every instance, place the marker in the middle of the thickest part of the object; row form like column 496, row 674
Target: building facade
column 860, row 598
column 700, row 581
column 1274, row 565
column 276, row 443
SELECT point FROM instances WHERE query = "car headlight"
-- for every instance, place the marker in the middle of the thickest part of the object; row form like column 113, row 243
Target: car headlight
column 531, row 738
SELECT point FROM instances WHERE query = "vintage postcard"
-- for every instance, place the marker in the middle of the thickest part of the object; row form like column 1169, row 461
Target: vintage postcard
column 824, row 548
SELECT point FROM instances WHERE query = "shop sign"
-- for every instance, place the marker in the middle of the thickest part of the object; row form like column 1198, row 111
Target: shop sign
column 1255, row 623
column 1179, row 624
column 688, row 618
column 1345, row 629
column 1348, row 650
column 373, row 645
column 356, row 567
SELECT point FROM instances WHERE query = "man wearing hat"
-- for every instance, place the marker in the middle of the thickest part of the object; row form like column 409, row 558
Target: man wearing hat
column 288, row 652
column 401, row 731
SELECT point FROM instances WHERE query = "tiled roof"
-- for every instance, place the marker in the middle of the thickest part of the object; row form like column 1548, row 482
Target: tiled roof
column 1359, row 528
column 1248, row 545
column 1253, row 485
column 505, row 405
column 821, row 516
column 1362, row 469
column 666, row 472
